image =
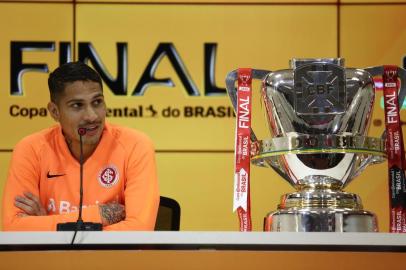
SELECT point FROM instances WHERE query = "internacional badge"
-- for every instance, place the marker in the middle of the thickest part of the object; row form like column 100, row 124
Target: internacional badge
column 108, row 176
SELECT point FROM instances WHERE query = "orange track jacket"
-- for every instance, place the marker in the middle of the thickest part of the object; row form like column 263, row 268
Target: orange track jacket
column 121, row 169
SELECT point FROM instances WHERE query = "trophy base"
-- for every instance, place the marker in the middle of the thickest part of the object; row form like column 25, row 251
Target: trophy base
column 319, row 205
column 321, row 220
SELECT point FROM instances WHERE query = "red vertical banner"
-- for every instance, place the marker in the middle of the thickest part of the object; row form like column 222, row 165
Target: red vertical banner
column 242, row 150
column 395, row 151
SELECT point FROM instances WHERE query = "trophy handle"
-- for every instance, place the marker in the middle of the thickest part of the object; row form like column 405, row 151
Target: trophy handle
column 375, row 71
column 231, row 78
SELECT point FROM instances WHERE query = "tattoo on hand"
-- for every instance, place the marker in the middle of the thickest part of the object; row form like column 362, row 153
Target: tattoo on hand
column 112, row 213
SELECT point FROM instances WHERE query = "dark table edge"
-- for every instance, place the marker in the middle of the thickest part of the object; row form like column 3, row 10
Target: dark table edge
column 221, row 247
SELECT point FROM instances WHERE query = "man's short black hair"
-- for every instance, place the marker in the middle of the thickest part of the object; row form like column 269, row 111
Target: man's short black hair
column 69, row 73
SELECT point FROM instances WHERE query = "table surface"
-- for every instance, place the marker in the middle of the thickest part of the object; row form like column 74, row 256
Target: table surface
column 186, row 240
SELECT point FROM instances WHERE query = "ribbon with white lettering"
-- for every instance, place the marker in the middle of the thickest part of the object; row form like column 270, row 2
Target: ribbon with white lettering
column 242, row 150
column 395, row 151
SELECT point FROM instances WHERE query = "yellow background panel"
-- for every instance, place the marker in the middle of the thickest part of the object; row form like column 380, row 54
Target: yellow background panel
column 372, row 1
column 203, row 186
column 373, row 35
column 263, row 37
column 39, row 1
column 29, row 22
column 36, row 1
column 214, row 2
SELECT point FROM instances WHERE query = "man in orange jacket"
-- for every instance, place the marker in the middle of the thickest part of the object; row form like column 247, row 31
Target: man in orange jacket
column 119, row 175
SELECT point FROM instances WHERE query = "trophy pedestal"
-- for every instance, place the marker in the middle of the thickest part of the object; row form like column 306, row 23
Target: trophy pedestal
column 320, row 220
column 320, row 211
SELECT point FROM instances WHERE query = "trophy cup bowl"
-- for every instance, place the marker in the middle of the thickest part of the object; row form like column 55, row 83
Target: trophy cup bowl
column 318, row 114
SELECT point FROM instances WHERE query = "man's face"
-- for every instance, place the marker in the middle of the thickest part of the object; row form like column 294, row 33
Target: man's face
column 80, row 106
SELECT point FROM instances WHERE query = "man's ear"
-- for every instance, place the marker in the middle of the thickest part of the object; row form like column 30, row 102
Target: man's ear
column 53, row 110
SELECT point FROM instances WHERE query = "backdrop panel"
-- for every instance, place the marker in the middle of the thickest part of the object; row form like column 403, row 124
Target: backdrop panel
column 231, row 36
column 201, row 184
column 372, row 1
column 215, row 2
column 29, row 46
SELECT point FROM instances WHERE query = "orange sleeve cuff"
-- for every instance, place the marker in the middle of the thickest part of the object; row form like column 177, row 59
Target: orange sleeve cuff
column 91, row 214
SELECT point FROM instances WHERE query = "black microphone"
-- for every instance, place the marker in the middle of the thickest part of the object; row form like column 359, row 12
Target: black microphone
column 79, row 225
column 81, row 132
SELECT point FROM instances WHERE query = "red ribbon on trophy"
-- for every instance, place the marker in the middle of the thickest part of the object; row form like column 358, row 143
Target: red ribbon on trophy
column 242, row 150
column 395, row 151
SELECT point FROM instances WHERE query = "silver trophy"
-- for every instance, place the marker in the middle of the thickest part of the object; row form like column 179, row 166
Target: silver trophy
column 318, row 114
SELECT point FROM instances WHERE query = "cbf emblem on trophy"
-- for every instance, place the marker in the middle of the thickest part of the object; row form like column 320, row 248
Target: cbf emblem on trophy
column 318, row 114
